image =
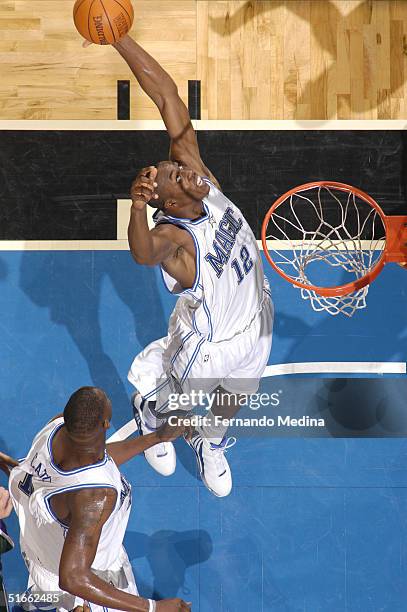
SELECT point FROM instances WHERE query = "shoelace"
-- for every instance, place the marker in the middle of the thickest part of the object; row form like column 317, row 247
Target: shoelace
column 220, row 451
column 160, row 450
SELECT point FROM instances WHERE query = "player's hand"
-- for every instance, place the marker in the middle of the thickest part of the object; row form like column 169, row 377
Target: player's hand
column 6, row 505
column 142, row 189
column 168, row 433
column 84, row 608
column 173, row 605
column 85, row 44
column 7, row 463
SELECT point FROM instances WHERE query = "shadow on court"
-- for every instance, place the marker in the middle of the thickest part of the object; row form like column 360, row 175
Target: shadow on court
column 286, row 325
column 3, row 270
column 69, row 285
column 169, row 554
column 375, row 333
column 186, row 457
column 324, row 26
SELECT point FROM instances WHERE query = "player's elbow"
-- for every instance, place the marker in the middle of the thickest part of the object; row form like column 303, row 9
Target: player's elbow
column 143, row 259
column 66, row 582
column 146, row 257
column 72, row 581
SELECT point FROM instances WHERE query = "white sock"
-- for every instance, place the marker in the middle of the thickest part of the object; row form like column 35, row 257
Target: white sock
column 152, row 421
column 212, row 432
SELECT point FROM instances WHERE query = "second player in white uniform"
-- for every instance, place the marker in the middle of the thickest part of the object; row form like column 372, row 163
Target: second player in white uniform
column 73, row 517
column 33, row 484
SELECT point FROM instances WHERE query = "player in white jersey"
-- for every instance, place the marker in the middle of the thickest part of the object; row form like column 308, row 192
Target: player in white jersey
column 220, row 331
column 73, row 505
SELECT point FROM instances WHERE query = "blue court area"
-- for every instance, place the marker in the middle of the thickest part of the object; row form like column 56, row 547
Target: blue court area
column 313, row 524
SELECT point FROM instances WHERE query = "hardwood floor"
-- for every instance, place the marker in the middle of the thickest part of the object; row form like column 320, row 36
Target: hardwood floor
column 270, row 59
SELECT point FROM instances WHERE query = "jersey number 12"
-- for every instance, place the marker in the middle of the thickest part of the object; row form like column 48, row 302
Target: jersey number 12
column 247, row 264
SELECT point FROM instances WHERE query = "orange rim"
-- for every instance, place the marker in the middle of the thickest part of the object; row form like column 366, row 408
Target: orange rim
column 339, row 290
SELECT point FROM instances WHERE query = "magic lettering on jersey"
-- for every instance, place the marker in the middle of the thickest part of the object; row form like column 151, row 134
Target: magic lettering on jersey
column 40, row 470
column 225, row 238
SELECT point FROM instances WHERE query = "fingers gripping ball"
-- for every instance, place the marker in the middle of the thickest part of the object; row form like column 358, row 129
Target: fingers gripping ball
column 103, row 21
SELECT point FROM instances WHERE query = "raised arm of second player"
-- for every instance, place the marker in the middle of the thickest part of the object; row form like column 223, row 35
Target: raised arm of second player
column 127, row 449
column 89, row 510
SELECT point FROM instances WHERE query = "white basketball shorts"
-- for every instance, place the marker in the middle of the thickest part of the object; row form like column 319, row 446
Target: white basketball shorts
column 41, row 583
column 183, row 361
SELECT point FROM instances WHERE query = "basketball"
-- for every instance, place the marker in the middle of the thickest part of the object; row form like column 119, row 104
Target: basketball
column 103, row 22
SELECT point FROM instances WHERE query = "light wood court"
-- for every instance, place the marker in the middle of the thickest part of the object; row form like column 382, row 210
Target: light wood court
column 270, row 59
column 46, row 74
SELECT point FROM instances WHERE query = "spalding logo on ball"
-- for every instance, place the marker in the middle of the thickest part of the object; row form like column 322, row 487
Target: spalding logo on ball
column 103, row 22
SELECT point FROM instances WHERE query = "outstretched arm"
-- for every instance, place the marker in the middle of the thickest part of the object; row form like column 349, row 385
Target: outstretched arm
column 161, row 88
column 127, row 449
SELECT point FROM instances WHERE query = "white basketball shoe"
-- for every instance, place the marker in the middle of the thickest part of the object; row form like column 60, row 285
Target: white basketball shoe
column 162, row 456
column 213, row 466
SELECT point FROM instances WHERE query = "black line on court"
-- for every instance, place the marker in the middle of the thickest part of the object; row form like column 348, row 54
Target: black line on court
column 123, row 100
column 194, row 99
column 254, row 168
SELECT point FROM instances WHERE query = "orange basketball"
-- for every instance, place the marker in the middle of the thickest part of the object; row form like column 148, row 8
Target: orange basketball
column 103, row 21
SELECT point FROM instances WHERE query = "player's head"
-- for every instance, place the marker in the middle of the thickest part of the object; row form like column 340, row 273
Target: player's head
column 88, row 413
column 178, row 187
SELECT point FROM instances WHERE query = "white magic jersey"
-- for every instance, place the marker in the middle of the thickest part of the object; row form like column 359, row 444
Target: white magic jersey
column 227, row 293
column 37, row 479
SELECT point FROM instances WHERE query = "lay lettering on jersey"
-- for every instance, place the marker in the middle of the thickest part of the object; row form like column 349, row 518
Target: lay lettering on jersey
column 40, row 470
column 225, row 238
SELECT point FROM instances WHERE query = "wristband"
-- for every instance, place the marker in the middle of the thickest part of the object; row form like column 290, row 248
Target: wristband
column 152, row 605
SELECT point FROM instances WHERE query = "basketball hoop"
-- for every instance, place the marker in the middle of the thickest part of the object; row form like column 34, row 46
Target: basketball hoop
column 331, row 240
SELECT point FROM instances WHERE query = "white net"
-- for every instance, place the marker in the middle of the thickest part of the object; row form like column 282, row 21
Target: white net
column 324, row 237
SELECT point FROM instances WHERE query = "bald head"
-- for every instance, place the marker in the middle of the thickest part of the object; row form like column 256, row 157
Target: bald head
column 86, row 410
